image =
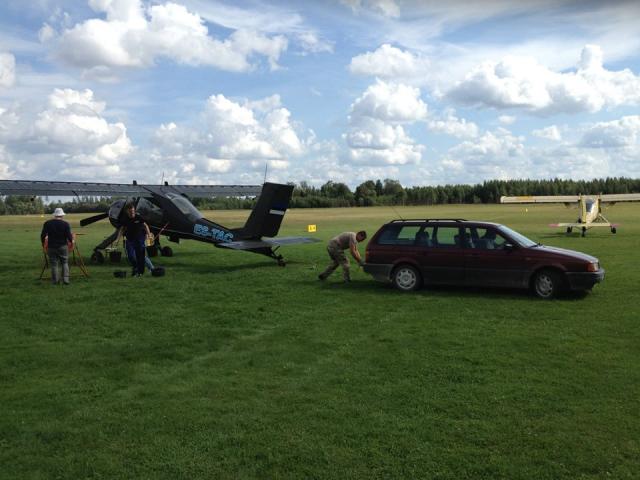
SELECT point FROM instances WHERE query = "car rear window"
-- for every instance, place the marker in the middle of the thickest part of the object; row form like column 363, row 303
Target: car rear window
column 399, row 235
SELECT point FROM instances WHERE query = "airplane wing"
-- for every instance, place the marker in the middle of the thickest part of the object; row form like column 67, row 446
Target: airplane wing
column 586, row 225
column 218, row 190
column 266, row 242
column 620, row 197
column 64, row 189
column 541, row 199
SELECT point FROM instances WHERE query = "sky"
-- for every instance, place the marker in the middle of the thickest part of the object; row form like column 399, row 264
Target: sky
column 220, row 92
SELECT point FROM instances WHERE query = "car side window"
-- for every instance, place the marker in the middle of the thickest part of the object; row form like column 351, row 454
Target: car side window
column 446, row 237
column 424, row 238
column 486, row 238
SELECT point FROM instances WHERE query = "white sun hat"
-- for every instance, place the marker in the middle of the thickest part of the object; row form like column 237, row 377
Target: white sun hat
column 58, row 212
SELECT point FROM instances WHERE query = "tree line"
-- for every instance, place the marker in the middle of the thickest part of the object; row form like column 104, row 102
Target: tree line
column 391, row 192
column 369, row 193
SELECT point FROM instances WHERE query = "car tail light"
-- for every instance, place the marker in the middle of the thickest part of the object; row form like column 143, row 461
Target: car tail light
column 593, row 267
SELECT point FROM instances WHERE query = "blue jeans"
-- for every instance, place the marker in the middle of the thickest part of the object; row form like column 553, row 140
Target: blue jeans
column 136, row 253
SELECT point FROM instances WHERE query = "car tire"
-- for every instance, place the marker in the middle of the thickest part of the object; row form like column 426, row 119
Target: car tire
column 406, row 278
column 547, row 284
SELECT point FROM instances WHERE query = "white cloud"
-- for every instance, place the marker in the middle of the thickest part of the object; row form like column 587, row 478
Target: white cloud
column 386, row 8
column 229, row 136
column 605, row 149
column 500, row 143
column 494, row 155
column 549, row 133
column 391, row 63
column 624, row 132
column 376, row 134
column 521, row 82
column 5, row 171
column 7, row 70
column 507, row 119
column 132, row 36
column 68, row 138
column 46, row 33
column 310, row 42
column 390, row 102
column 454, row 126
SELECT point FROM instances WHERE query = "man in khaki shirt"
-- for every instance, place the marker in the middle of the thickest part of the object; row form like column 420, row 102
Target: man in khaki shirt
column 336, row 247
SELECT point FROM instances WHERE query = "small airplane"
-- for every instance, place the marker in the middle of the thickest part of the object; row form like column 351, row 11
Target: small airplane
column 168, row 211
column 590, row 208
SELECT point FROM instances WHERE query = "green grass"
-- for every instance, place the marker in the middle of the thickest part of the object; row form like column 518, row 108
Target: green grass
column 232, row 367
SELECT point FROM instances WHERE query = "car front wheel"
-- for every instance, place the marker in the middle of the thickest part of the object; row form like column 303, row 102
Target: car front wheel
column 406, row 278
column 547, row 284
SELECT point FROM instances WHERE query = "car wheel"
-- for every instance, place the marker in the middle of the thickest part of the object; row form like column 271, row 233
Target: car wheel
column 406, row 278
column 547, row 284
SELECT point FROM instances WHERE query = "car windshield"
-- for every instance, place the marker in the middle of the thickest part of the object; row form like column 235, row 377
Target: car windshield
column 518, row 237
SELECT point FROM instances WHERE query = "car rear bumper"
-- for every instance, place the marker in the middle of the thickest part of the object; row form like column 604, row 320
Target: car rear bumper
column 380, row 272
column 584, row 280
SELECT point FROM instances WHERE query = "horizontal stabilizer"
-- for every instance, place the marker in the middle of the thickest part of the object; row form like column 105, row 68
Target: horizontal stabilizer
column 266, row 243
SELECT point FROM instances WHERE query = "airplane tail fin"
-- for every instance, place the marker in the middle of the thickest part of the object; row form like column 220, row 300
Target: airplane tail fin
column 267, row 215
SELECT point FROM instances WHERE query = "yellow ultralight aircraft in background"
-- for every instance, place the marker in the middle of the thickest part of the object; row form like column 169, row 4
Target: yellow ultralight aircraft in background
column 590, row 208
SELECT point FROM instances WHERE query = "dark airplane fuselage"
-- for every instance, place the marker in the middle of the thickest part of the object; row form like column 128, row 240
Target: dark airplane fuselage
column 176, row 217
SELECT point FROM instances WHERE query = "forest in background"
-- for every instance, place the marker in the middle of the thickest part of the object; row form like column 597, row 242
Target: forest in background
column 370, row 193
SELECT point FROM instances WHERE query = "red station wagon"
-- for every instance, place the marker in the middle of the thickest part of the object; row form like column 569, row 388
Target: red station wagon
column 410, row 253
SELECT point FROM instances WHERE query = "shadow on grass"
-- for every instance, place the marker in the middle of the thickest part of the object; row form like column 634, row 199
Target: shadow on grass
column 444, row 291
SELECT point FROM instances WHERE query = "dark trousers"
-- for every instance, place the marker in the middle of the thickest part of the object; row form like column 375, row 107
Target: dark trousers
column 136, row 253
column 59, row 256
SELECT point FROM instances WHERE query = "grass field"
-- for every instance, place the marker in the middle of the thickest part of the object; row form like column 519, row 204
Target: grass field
column 232, row 367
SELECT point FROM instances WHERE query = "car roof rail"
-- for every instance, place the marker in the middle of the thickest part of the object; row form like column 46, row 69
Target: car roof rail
column 447, row 220
column 430, row 220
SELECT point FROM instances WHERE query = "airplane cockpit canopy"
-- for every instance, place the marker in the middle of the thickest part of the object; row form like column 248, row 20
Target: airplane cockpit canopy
column 590, row 204
column 151, row 213
column 185, row 206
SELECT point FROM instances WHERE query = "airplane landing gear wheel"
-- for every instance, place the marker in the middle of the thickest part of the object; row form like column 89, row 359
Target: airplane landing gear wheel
column 569, row 229
column 613, row 230
column 584, row 231
column 97, row 257
column 166, row 252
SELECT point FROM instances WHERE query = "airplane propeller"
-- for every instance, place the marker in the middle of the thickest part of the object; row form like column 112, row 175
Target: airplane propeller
column 88, row 221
